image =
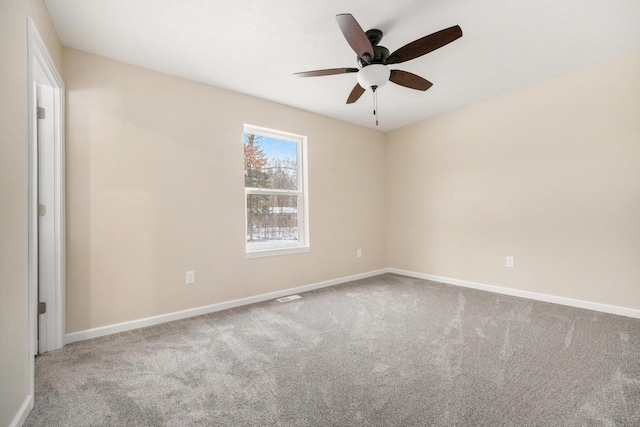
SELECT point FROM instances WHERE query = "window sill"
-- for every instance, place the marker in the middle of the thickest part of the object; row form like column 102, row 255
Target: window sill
column 275, row 252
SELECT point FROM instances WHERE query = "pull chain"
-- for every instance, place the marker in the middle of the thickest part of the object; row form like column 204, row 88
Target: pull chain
column 375, row 102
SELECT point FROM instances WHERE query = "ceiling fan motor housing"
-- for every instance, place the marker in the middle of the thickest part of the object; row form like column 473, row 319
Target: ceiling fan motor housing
column 380, row 53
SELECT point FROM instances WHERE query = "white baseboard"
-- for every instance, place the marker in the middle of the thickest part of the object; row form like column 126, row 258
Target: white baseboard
column 197, row 311
column 612, row 309
column 23, row 412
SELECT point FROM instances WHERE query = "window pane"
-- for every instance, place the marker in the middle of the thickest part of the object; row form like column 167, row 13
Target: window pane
column 270, row 163
column 272, row 219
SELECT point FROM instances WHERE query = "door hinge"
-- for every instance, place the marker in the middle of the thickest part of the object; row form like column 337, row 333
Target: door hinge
column 42, row 308
column 42, row 210
column 40, row 112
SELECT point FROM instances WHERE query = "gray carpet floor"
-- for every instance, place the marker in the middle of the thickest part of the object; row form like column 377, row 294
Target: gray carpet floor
column 384, row 351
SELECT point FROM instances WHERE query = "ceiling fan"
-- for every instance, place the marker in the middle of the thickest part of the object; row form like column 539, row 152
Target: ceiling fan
column 373, row 59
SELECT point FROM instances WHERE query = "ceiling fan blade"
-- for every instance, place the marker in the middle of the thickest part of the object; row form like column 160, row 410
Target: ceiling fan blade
column 355, row 36
column 355, row 94
column 410, row 80
column 425, row 45
column 327, row 72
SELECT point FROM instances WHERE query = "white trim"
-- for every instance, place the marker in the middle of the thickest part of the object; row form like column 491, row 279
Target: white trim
column 571, row 302
column 23, row 412
column 42, row 53
column 271, row 251
column 273, row 133
column 42, row 70
column 163, row 318
column 156, row 320
column 302, row 195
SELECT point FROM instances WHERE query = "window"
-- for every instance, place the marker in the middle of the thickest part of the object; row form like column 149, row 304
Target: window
column 275, row 187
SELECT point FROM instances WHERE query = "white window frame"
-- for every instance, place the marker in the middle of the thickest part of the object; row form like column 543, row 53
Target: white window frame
column 302, row 245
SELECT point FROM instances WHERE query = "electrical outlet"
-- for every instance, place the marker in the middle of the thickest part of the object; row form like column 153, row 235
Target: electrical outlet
column 191, row 277
column 510, row 261
column 359, row 253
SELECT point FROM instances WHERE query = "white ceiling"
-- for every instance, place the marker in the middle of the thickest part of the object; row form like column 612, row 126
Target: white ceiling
column 255, row 46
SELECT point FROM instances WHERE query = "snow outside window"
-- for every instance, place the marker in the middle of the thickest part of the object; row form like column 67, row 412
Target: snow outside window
column 275, row 184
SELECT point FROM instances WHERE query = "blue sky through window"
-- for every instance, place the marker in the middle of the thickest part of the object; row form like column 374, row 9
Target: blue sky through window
column 276, row 148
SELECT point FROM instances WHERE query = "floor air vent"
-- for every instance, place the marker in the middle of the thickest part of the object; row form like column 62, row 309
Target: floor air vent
column 289, row 298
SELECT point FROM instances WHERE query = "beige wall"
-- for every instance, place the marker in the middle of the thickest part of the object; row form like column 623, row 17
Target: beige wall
column 14, row 347
column 549, row 174
column 155, row 187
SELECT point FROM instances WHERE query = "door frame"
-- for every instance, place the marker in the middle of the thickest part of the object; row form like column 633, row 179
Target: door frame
column 42, row 71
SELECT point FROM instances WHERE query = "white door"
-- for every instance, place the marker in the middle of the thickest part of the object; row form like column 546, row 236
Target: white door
column 46, row 212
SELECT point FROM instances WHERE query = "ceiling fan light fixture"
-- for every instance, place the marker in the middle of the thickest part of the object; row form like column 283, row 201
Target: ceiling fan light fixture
column 373, row 75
